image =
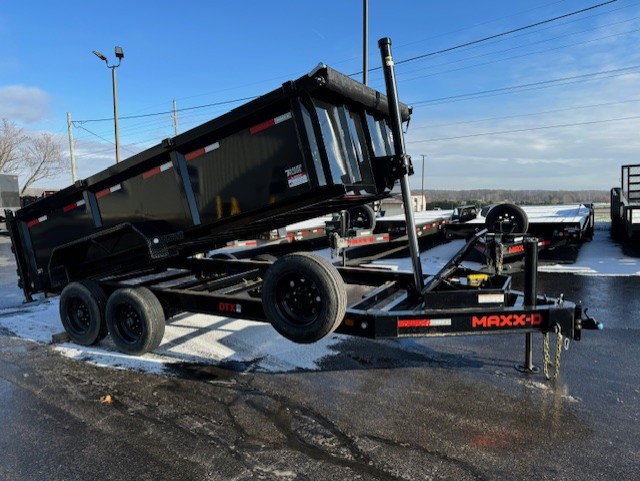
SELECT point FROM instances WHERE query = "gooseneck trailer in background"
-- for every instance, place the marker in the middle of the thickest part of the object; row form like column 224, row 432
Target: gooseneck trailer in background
column 121, row 247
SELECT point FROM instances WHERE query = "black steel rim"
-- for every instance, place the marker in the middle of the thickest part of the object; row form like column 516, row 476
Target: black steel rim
column 128, row 324
column 79, row 316
column 298, row 299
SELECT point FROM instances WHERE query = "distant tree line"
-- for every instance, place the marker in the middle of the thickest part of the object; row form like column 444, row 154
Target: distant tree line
column 479, row 197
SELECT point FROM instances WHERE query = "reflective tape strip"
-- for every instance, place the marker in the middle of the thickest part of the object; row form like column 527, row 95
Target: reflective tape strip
column 37, row 221
column 491, row 298
column 157, row 170
column 412, row 323
column 108, row 191
column 75, row 205
column 202, row 151
column 269, row 123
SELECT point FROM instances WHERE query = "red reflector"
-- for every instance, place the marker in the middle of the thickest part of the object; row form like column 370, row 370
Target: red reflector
column 264, row 125
column 151, row 173
column 194, row 154
column 102, row 193
column 414, row 323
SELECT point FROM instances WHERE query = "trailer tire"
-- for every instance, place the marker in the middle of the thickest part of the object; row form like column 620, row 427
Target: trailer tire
column 507, row 219
column 82, row 309
column 135, row 319
column 362, row 217
column 304, row 297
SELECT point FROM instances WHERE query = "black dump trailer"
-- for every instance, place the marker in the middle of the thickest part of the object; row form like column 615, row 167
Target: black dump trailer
column 121, row 247
column 625, row 204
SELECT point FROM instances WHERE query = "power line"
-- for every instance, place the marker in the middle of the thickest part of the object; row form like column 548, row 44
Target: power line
column 492, row 37
column 530, row 129
column 102, row 138
column 528, row 86
column 226, row 102
column 503, row 59
column 531, row 114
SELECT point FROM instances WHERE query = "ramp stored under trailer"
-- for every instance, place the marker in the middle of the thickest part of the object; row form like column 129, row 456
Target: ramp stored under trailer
column 119, row 247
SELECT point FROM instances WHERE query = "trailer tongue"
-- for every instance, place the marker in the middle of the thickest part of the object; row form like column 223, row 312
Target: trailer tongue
column 120, row 247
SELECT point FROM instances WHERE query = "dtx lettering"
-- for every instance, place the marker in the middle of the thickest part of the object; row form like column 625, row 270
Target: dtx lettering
column 229, row 307
column 507, row 320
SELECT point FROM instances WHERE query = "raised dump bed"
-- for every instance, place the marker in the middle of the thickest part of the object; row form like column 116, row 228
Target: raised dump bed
column 625, row 204
column 316, row 145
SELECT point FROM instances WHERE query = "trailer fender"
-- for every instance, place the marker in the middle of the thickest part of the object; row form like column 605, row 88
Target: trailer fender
column 304, row 297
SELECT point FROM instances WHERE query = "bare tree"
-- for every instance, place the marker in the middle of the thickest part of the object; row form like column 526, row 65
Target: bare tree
column 41, row 158
column 12, row 140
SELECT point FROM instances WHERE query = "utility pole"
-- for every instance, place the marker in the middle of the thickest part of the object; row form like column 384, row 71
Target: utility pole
column 424, row 200
column 175, row 118
column 71, row 152
column 365, row 42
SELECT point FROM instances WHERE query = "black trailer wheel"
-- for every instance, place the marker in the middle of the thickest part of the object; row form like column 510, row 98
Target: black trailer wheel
column 362, row 217
column 507, row 219
column 304, row 297
column 135, row 319
column 82, row 306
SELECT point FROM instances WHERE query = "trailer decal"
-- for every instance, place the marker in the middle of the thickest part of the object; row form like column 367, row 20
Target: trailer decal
column 269, row 123
column 37, row 221
column 230, row 307
column 413, row 323
column 156, row 170
column 75, row 205
column 202, row 151
column 296, row 176
column 506, row 320
column 108, row 191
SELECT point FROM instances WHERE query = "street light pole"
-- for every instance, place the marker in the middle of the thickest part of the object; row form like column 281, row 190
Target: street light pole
column 114, row 81
column 119, row 55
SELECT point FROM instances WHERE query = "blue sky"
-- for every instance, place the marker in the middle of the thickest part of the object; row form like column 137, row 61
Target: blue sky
column 552, row 106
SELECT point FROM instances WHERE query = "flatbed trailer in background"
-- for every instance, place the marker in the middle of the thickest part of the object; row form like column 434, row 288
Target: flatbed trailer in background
column 553, row 226
column 122, row 248
column 625, row 204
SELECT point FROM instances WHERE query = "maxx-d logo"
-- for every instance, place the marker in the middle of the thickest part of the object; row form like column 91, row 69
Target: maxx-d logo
column 506, row 320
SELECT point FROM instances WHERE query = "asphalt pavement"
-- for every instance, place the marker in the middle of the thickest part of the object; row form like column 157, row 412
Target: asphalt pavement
column 418, row 409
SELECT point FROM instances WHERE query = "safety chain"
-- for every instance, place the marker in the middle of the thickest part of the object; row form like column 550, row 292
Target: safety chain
column 496, row 259
column 545, row 354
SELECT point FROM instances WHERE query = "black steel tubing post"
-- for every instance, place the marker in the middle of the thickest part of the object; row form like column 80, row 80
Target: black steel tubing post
column 530, row 298
column 399, row 150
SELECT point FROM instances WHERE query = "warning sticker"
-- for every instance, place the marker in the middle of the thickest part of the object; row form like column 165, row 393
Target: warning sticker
column 295, row 176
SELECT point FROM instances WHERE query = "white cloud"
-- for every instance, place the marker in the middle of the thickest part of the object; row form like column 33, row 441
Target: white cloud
column 23, row 104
